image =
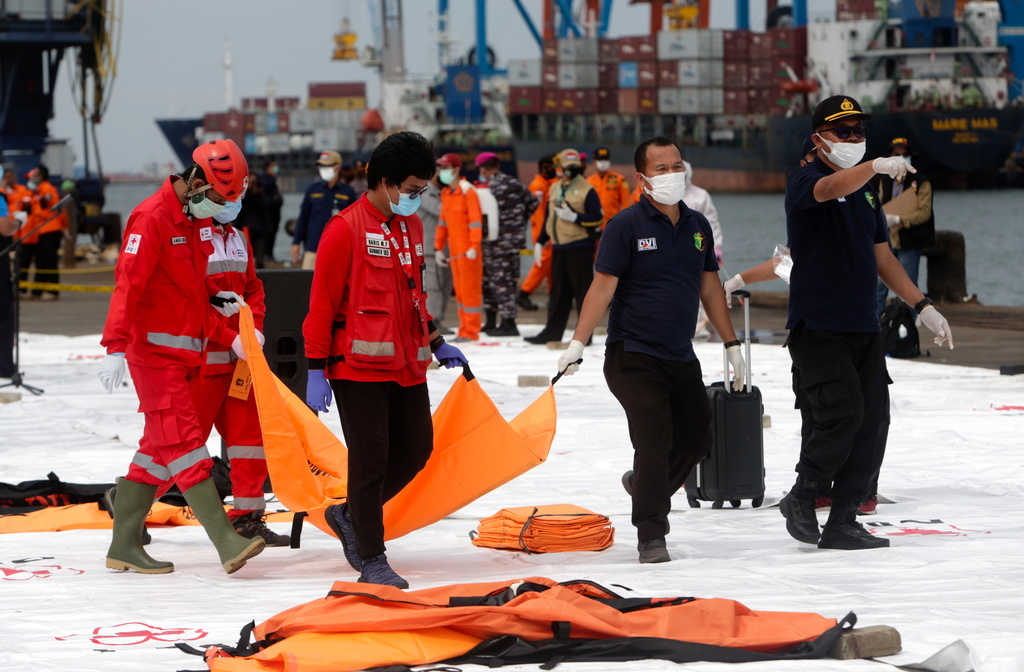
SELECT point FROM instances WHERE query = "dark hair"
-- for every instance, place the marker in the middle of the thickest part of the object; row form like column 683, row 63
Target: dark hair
column 547, row 158
column 268, row 164
column 398, row 156
column 640, row 155
column 490, row 163
column 44, row 172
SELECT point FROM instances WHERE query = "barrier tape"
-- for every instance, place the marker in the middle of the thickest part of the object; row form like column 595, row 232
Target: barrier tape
column 60, row 287
column 62, row 271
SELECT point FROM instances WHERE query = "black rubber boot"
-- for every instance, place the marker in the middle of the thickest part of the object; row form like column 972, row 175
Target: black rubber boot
column 524, row 302
column 491, row 324
column 508, row 328
column 843, row 532
column 798, row 508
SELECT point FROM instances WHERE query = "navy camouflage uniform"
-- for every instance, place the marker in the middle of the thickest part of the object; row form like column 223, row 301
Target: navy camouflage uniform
column 501, row 256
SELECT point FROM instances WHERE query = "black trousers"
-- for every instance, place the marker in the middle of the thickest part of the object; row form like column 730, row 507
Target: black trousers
column 669, row 426
column 6, row 313
column 572, row 271
column 45, row 254
column 390, row 435
column 842, row 390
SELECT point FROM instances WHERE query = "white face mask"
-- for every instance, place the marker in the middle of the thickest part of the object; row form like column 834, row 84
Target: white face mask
column 602, row 166
column 200, row 207
column 667, row 188
column 906, row 157
column 327, row 173
column 845, row 154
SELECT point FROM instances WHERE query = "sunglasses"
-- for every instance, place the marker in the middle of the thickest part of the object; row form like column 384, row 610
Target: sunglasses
column 844, row 132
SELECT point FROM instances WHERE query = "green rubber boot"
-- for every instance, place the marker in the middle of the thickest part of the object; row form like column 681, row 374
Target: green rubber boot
column 130, row 510
column 233, row 548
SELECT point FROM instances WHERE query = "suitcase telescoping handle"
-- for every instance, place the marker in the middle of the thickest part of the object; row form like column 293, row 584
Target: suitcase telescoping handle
column 748, row 387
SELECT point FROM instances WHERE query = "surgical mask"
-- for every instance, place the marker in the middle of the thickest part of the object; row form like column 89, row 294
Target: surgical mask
column 32, row 185
column 845, row 154
column 446, row 176
column 200, row 207
column 602, row 166
column 229, row 212
column 667, row 188
column 275, row 170
column 906, row 157
column 407, row 205
column 327, row 173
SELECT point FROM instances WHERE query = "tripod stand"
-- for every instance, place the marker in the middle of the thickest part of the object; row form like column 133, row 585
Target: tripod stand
column 14, row 267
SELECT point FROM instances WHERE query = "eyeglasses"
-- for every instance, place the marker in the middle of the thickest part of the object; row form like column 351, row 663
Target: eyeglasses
column 844, row 132
column 419, row 192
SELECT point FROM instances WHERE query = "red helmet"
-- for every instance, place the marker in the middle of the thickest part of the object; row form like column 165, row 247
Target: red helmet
column 224, row 166
column 450, row 159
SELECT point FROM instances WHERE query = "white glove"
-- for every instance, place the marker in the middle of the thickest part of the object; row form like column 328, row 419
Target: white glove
column 112, row 371
column 260, row 338
column 892, row 220
column 538, row 252
column 568, row 363
column 730, row 286
column 738, row 367
column 441, row 258
column 938, row 325
column 566, row 213
column 471, row 253
column 232, row 307
column 236, row 347
column 893, row 166
column 21, row 216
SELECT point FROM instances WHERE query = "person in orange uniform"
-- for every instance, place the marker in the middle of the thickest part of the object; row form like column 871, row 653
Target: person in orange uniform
column 610, row 186
column 43, row 245
column 375, row 361
column 461, row 228
column 159, row 319
column 539, row 272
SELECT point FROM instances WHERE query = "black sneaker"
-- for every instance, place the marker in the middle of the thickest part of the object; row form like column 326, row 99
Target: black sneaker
column 337, row 520
column 524, row 302
column 539, row 339
column 108, row 502
column 627, row 482
column 653, row 551
column 849, row 535
column 253, row 524
column 801, row 521
column 377, row 570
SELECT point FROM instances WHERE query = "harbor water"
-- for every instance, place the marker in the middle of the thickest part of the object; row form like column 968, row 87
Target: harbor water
column 991, row 221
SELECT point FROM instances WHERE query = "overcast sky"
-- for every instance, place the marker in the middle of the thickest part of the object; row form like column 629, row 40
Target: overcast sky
column 172, row 54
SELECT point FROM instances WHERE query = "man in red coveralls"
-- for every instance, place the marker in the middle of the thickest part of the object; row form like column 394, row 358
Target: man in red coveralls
column 369, row 340
column 159, row 317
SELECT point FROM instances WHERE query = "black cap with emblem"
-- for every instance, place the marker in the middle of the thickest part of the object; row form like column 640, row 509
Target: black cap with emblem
column 834, row 108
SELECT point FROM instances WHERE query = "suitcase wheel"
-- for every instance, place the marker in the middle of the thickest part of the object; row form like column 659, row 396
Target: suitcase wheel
column 735, row 503
column 717, row 504
column 757, row 501
column 692, row 501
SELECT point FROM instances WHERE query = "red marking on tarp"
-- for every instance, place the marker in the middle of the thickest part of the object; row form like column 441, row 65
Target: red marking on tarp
column 134, row 633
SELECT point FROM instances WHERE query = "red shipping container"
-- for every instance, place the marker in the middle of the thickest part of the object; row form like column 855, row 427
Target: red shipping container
column 735, row 101
column 627, row 48
column 735, row 75
column 638, row 48
column 337, row 89
column 608, row 75
column 249, row 123
column 779, row 72
column 668, row 73
column 760, row 47
column 549, row 75
column 607, row 101
column 283, row 122
column 760, row 76
column 788, row 41
column 629, row 101
column 607, row 51
column 648, row 101
column 760, row 101
column 525, row 100
column 647, row 74
column 551, row 101
column 735, row 45
column 577, row 101
column 549, row 51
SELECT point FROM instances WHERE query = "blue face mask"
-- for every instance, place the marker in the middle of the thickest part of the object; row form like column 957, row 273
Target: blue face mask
column 407, row 205
column 229, row 212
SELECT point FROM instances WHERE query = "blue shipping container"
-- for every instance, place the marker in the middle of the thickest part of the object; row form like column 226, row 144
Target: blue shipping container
column 628, row 76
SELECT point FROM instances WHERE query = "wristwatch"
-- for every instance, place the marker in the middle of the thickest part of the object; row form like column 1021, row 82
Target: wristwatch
column 922, row 304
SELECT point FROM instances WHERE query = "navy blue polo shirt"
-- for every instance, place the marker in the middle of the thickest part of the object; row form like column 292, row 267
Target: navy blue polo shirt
column 834, row 281
column 320, row 203
column 659, row 267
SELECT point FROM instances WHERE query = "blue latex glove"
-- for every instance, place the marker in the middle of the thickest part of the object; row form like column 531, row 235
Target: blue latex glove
column 449, row 356
column 318, row 391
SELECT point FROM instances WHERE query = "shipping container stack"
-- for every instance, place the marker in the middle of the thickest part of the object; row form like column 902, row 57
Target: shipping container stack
column 787, row 47
column 690, row 72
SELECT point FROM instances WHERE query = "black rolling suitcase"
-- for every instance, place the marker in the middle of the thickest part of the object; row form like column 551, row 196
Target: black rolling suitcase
column 734, row 469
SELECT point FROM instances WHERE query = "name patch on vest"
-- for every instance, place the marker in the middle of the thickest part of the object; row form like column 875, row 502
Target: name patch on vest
column 206, row 233
column 644, row 244
column 178, row 240
column 376, row 240
column 379, row 251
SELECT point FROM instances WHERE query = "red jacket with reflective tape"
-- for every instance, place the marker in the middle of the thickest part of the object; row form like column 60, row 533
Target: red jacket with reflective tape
column 362, row 323
column 160, row 310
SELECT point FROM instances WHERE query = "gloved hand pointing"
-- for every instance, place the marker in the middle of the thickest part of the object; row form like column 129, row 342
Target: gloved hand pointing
column 318, row 391
column 112, row 371
column 938, row 325
column 730, row 286
column 893, row 166
column 230, row 307
column 738, row 366
column 568, row 363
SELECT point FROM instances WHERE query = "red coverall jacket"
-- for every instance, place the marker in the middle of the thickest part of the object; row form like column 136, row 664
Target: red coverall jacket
column 160, row 310
column 362, row 323
column 231, row 269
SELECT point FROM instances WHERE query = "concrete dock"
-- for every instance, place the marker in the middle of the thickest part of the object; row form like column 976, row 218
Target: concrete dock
column 989, row 337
